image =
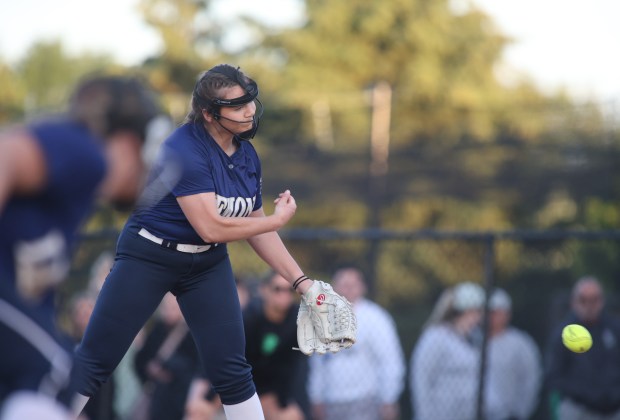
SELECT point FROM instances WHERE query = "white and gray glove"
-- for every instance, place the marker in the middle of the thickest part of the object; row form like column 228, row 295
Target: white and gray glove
column 325, row 321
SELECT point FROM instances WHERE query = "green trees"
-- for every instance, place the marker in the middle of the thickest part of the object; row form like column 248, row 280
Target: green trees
column 11, row 95
column 41, row 80
column 466, row 150
column 439, row 63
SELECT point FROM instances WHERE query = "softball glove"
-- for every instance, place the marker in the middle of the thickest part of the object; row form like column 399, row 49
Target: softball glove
column 325, row 321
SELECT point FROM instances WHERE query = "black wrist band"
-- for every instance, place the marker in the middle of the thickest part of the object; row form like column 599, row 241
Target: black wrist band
column 299, row 281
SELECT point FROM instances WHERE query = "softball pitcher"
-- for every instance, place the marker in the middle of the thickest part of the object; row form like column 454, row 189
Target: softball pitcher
column 204, row 192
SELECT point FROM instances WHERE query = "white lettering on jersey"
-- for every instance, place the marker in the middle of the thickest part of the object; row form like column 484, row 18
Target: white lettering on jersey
column 40, row 264
column 235, row 206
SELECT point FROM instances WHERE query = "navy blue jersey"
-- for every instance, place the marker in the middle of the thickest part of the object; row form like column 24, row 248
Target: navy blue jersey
column 38, row 231
column 191, row 162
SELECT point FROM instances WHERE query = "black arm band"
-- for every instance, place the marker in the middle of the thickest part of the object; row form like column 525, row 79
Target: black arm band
column 300, row 280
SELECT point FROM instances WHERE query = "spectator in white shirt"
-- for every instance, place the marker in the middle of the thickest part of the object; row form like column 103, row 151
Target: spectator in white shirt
column 445, row 363
column 514, row 371
column 364, row 382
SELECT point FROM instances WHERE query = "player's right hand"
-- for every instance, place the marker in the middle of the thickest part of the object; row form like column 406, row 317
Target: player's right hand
column 285, row 206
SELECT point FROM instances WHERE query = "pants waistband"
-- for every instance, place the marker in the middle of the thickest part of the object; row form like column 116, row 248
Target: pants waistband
column 191, row 249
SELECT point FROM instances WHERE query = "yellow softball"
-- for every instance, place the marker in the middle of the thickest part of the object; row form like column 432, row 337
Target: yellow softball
column 576, row 338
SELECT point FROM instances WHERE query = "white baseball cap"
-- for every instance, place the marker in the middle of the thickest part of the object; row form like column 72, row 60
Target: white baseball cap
column 467, row 295
column 500, row 300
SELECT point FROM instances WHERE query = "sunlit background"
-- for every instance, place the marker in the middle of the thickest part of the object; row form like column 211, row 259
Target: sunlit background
column 555, row 42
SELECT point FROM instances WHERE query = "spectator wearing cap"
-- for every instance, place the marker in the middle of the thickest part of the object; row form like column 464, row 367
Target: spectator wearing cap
column 513, row 365
column 445, row 362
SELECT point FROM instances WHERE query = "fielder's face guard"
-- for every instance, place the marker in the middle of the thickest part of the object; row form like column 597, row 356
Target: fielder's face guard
column 251, row 94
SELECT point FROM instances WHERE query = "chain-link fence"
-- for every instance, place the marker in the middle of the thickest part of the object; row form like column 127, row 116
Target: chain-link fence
column 409, row 271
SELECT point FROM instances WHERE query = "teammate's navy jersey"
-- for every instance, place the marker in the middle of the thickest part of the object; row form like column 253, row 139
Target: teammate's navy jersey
column 38, row 232
column 191, row 162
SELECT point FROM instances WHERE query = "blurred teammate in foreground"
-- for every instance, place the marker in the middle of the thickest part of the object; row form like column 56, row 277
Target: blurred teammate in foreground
column 51, row 173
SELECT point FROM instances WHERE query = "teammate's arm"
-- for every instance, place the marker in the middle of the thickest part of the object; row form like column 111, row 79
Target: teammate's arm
column 201, row 211
column 22, row 165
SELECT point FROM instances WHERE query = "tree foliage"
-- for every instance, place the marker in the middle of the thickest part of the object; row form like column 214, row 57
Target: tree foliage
column 49, row 72
column 12, row 94
column 466, row 150
column 440, row 64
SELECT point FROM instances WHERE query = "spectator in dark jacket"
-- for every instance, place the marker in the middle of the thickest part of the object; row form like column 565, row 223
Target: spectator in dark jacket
column 280, row 373
column 586, row 385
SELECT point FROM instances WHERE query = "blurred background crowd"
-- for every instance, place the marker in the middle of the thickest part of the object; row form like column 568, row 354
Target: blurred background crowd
column 475, row 355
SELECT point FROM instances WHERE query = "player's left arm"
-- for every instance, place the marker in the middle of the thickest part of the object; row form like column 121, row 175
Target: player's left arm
column 270, row 248
column 333, row 324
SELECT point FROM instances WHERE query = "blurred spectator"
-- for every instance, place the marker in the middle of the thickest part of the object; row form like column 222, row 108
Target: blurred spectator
column 445, row 361
column 101, row 406
column 364, row 382
column 587, row 385
column 167, row 362
column 243, row 291
column 99, row 271
column 514, row 371
column 279, row 372
column 202, row 401
column 127, row 384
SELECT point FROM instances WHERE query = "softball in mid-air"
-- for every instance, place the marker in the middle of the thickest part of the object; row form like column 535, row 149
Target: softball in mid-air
column 576, row 338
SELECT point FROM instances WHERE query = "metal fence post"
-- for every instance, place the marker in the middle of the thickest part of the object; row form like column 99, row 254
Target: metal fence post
column 489, row 284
